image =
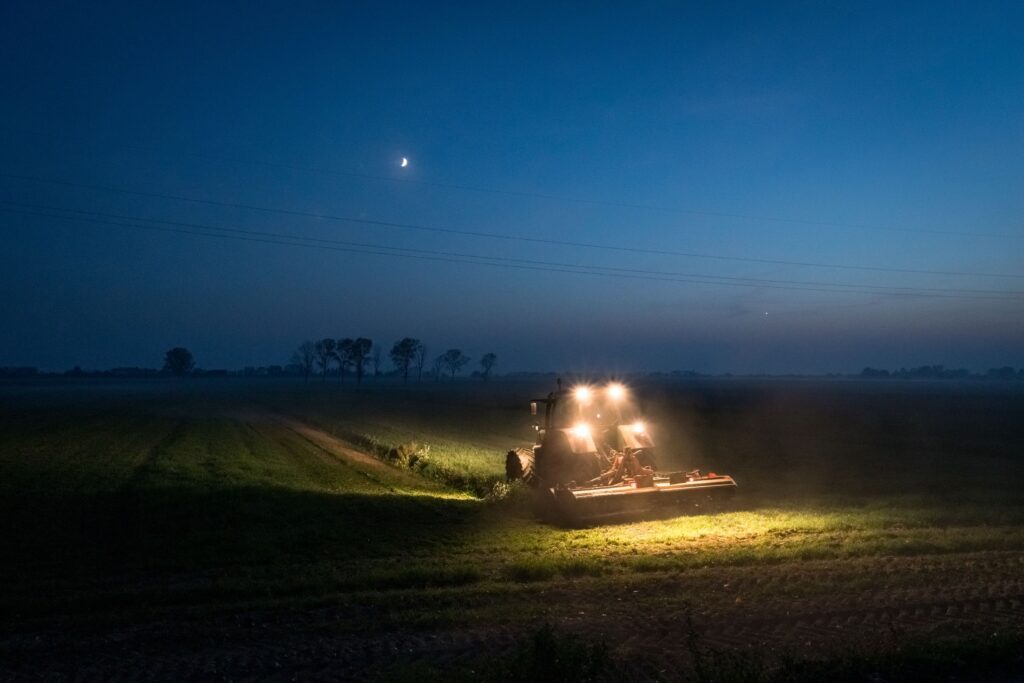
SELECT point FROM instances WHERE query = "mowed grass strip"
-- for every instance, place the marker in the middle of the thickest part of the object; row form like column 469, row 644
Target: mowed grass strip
column 460, row 436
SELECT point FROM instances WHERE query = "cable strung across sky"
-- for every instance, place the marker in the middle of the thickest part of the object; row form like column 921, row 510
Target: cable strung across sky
column 521, row 264
column 492, row 235
column 301, row 238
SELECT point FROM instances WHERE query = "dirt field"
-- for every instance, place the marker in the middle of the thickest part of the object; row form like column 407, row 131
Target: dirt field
column 169, row 531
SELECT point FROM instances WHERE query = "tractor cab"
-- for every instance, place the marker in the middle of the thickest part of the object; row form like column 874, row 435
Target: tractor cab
column 582, row 431
column 601, row 420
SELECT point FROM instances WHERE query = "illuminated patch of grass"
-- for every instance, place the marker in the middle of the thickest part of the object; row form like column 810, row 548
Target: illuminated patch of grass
column 456, row 464
column 463, row 442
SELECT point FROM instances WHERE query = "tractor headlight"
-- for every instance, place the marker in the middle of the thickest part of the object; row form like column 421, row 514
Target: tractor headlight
column 581, row 431
column 639, row 428
column 582, row 394
column 616, row 391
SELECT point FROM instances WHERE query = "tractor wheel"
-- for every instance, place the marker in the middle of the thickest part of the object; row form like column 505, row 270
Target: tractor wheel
column 520, row 464
column 545, row 507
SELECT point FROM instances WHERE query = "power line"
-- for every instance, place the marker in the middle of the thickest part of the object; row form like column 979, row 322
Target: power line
column 611, row 203
column 519, row 264
column 493, row 235
column 551, row 197
column 647, row 271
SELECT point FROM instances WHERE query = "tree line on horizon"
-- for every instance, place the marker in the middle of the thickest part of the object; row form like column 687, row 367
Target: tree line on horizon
column 353, row 355
column 409, row 354
column 942, row 372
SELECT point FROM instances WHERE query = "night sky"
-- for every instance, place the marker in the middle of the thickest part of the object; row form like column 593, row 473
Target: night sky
column 776, row 187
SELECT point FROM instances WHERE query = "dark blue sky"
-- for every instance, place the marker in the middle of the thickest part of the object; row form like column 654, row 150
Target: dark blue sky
column 884, row 137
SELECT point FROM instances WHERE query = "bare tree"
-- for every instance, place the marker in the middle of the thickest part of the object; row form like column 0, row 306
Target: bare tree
column 453, row 360
column 325, row 353
column 487, row 363
column 375, row 361
column 305, row 357
column 358, row 353
column 344, row 357
column 436, row 367
column 403, row 353
column 421, row 360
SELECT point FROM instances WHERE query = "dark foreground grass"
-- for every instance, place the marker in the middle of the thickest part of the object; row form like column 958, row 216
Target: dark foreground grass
column 550, row 656
column 546, row 656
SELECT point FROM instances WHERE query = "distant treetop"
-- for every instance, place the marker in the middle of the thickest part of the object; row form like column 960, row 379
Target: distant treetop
column 179, row 361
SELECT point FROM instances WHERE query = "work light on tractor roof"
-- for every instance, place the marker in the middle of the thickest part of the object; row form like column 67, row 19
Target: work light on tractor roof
column 594, row 459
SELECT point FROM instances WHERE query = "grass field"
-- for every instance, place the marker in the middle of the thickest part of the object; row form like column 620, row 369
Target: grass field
column 187, row 529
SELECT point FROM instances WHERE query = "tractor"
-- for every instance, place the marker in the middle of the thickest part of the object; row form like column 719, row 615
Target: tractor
column 594, row 459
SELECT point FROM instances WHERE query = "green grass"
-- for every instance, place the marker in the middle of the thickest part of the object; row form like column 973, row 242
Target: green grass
column 459, row 441
column 119, row 503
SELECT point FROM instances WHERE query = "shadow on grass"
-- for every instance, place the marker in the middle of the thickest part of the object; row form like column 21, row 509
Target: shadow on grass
column 159, row 548
column 188, row 529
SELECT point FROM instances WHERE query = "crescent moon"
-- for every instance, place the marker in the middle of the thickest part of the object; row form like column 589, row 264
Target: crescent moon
column 405, row 162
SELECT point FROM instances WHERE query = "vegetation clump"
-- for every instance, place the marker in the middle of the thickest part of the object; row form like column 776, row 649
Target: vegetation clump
column 409, row 454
